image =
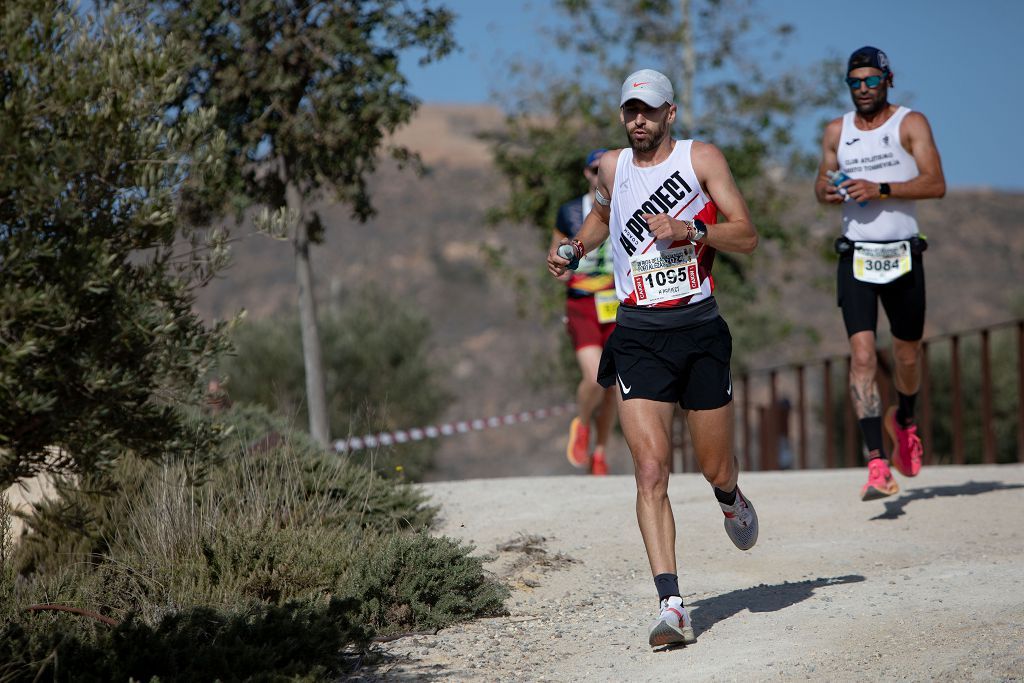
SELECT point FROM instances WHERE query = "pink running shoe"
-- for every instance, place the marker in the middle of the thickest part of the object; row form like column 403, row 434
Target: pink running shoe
column 880, row 482
column 906, row 457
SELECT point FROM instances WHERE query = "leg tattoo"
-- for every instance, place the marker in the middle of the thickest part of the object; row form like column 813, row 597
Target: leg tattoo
column 866, row 401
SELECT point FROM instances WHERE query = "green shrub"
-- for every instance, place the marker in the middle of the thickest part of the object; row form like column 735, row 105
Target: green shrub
column 166, row 510
column 379, row 375
column 416, row 582
column 280, row 562
column 289, row 642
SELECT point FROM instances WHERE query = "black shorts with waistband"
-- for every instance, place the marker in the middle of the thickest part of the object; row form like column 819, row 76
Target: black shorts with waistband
column 687, row 365
column 903, row 300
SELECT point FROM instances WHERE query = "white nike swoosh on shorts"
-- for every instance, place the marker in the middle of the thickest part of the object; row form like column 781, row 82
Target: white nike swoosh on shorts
column 625, row 389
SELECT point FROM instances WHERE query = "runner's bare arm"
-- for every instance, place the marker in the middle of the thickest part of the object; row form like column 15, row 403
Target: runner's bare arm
column 737, row 232
column 595, row 226
column 929, row 183
column 916, row 137
column 824, row 190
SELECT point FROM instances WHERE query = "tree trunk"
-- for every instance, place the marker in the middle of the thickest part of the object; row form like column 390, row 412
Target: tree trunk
column 312, row 354
column 689, row 70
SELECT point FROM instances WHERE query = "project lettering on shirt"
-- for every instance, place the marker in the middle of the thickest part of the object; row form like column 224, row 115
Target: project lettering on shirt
column 663, row 200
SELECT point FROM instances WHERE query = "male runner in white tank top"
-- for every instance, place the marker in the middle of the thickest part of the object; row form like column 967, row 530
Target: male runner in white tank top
column 667, row 206
column 890, row 156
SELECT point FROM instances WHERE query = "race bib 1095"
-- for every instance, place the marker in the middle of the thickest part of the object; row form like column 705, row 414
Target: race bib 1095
column 664, row 275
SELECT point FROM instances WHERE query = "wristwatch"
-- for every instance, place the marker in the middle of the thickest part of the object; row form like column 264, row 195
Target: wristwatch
column 700, row 231
column 884, row 190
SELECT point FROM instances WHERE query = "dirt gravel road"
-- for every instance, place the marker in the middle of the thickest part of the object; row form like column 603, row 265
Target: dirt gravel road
column 923, row 586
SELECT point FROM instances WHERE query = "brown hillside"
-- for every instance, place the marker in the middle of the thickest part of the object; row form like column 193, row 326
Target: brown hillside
column 425, row 244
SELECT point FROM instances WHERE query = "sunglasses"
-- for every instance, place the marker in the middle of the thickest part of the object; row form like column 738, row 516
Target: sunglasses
column 871, row 81
column 592, row 169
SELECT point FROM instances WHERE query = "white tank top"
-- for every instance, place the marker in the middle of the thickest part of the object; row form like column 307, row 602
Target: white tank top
column 878, row 156
column 670, row 187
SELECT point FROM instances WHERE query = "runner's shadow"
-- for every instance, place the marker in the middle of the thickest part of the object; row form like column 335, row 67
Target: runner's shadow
column 895, row 508
column 762, row 598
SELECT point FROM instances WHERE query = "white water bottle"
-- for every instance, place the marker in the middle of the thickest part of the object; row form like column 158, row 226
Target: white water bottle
column 567, row 252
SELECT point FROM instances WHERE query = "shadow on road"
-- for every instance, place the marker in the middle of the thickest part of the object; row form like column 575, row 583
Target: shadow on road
column 896, row 508
column 762, row 598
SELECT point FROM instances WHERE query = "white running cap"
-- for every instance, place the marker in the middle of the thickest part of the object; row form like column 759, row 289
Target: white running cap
column 647, row 85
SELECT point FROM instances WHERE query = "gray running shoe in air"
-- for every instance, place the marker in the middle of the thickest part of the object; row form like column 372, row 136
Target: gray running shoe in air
column 673, row 626
column 740, row 522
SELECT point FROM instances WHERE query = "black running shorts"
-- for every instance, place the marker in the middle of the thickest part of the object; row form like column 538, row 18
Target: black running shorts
column 903, row 300
column 688, row 366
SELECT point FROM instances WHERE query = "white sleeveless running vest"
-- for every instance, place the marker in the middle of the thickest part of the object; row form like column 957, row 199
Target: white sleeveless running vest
column 878, row 156
column 670, row 187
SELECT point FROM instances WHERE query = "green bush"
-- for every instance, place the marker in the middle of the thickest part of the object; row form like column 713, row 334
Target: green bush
column 418, row 582
column 290, row 642
column 101, row 347
column 280, row 562
column 262, row 495
column 379, row 375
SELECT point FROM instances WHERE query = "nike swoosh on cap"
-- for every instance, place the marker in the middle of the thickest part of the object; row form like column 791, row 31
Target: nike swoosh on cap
column 637, row 85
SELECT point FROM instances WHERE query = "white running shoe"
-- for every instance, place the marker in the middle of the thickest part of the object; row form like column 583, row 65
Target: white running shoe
column 740, row 522
column 673, row 625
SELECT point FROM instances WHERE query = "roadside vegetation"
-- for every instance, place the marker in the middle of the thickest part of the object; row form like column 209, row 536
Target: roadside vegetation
column 379, row 376
column 272, row 560
column 186, row 540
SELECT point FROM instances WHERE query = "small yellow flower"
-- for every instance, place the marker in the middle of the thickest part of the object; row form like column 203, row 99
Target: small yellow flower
column 398, row 468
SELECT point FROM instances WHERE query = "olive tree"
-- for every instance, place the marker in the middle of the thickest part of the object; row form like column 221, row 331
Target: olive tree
column 307, row 93
column 100, row 352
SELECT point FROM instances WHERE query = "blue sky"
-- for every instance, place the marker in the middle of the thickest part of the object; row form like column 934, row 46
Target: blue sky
column 960, row 63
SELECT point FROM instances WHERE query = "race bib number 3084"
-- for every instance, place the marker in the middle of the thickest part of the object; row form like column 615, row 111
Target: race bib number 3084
column 879, row 263
column 664, row 275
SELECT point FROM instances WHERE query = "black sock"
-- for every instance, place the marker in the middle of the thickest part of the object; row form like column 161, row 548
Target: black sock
column 667, row 585
column 871, row 428
column 726, row 498
column 905, row 411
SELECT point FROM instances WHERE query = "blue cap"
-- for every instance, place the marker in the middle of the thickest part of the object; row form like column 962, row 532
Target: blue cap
column 869, row 56
column 594, row 156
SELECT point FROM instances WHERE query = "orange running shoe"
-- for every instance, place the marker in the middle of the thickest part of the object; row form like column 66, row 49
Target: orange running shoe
column 579, row 443
column 907, row 448
column 598, row 465
column 880, row 482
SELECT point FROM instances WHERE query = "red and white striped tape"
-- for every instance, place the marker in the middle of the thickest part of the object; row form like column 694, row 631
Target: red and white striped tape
column 356, row 443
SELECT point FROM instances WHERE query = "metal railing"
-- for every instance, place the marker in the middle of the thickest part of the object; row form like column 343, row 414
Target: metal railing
column 799, row 415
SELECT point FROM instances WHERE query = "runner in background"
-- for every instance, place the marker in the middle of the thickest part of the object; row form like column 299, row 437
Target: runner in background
column 877, row 160
column 590, row 307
